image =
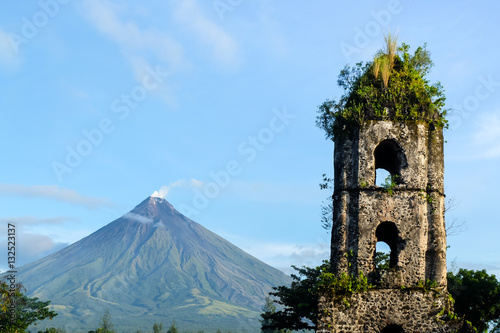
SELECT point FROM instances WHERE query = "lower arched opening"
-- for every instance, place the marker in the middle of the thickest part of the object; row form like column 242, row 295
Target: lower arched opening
column 393, row 329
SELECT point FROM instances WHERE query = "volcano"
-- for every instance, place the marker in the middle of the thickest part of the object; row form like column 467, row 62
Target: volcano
column 152, row 265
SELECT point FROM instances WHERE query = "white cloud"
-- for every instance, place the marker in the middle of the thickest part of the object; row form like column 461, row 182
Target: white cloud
column 30, row 247
column 196, row 183
column 54, row 192
column 223, row 48
column 283, row 255
column 143, row 48
column 133, row 41
column 32, row 220
column 35, row 244
column 161, row 193
column 138, row 218
column 165, row 189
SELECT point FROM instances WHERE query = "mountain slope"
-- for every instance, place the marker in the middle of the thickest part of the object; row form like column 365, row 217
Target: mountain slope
column 153, row 265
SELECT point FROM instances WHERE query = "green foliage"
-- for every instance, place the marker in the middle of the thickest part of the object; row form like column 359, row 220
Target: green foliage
column 173, row 328
column 426, row 194
column 53, row 330
column 299, row 301
column 427, row 285
column 390, row 183
column 477, row 298
column 268, row 311
column 17, row 311
column 348, row 255
column 340, row 287
column 102, row 330
column 157, row 327
column 382, row 264
column 327, row 183
column 343, row 286
column 401, row 92
column 106, row 325
column 327, row 207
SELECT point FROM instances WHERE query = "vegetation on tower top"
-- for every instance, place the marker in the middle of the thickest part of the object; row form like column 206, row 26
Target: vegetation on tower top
column 391, row 87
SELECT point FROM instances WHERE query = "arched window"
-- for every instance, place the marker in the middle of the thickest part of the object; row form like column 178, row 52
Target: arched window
column 387, row 232
column 393, row 329
column 389, row 156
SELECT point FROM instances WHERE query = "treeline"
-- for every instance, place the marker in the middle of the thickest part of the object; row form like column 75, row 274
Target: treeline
column 157, row 328
column 107, row 327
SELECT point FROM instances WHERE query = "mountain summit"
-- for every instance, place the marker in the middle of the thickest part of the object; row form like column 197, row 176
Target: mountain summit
column 153, row 264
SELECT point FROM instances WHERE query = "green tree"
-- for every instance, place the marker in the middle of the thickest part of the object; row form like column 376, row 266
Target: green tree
column 269, row 309
column 477, row 298
column 17, row 311
column 299, row 302
column 157, row 327
column 173, row 328
column 106, row 325
column 327, row 207
column 53, row 330
column 100, row 330
column 382, row 263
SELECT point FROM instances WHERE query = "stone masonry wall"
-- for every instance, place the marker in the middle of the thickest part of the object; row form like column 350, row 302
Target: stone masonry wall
column 410, row 220
column 416, row 311
column 416, row 206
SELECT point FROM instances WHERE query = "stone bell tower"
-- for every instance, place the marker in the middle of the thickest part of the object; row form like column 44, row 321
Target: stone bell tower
column 408, row 217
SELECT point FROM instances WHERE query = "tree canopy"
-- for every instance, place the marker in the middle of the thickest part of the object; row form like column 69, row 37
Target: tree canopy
column 392, row 86
column 477, row 298
column 298, row 302
column 17, row 311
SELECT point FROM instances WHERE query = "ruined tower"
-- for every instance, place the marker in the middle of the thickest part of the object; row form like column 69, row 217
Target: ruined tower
column 408, row 216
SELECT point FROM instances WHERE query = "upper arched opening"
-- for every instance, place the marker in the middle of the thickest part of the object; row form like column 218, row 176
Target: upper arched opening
column 390, row 156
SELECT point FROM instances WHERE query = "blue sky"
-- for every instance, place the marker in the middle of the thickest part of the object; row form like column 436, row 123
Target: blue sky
column 212, row 104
